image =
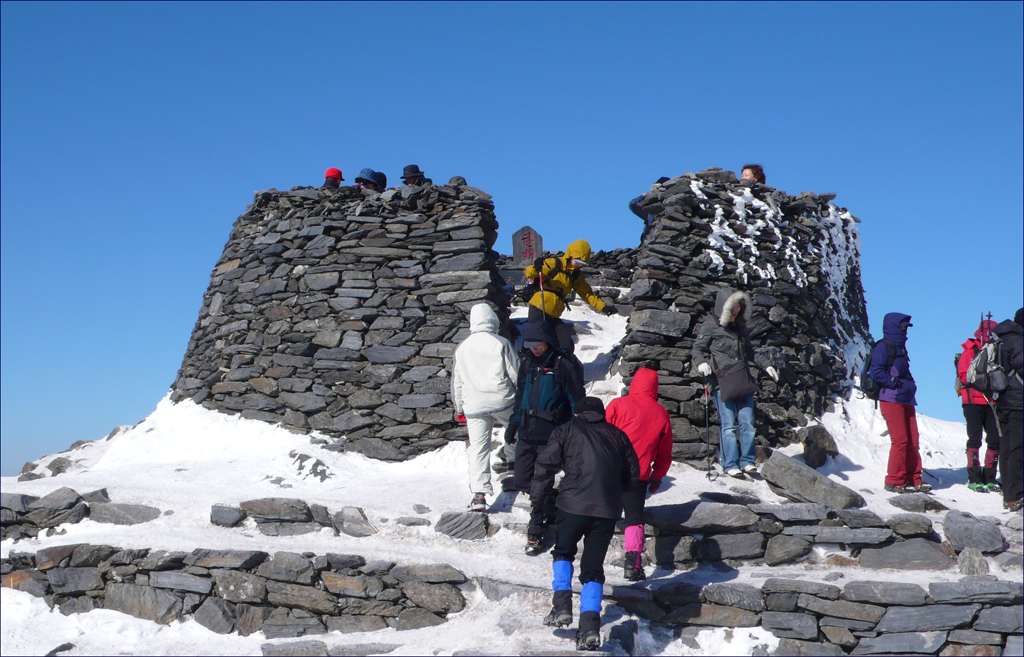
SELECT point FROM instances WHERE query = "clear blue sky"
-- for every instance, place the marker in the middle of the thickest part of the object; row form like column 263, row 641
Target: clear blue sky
column 134, row 134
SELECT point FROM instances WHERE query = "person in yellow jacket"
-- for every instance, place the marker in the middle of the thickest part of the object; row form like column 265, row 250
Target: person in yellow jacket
column 558, row 277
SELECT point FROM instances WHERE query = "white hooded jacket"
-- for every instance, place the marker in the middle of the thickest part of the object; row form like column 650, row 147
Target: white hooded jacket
column 484, row 368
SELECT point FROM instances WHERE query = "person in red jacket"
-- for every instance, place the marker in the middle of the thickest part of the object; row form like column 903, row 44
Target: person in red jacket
column 646, row 423
column 978, row 414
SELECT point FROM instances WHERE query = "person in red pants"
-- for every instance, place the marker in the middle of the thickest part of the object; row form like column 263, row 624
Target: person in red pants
column 897, row 399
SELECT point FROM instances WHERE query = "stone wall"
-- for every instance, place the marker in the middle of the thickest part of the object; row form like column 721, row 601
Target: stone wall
column 797, row 257
column 340, row 312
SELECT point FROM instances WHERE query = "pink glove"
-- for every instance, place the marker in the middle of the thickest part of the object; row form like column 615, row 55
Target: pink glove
column 460, row 418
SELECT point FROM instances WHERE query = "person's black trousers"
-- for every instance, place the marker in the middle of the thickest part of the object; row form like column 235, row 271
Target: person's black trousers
column 1011, row 454
column 596, row 534
column 979, row 417
column 526, row 460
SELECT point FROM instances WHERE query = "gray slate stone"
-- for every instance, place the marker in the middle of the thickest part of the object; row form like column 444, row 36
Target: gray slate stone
column 910, row 524
column 438, row 598
column 237, row 559
column 281, row 624
column 235, row 586
column 308, row 648
column 226, row 516
column 88, row 556
column 840, row 636
column 352, row 521
column 216, row 615
column 841, row 608
column 74, row 581
column 1014, row 645
column 964, row 592
column 177, row 580
column 1006, row 620
column 929, row 618
column 859, row 518
column 798, row 648
column 381, row 354
column 670, row 549
column 142, row 602
column 17, row 502
column 743, row 596
column 468, row 525
column 963, row 530
column 911, row 554
column 282, row 509
column 905, row 643
column 817, row 589
column 793, row 626
column 303, row 597
column 361, row 649
column 46, row 518
column 353, row 624
column 288, row 567
column 81, row 605
column 352, row 586
column 123, row 514
column 410, row 521
column 865, row 536
column 711, row 615
column 917, row 503
column 801, row 483
column 415, row 618
column 783, row 549
column 58, row 500
column 699, row 516
column 662, row 322
column 791, row 512
column 748, row 545
column 885, row 593
column 976, row 638
column 430, row 573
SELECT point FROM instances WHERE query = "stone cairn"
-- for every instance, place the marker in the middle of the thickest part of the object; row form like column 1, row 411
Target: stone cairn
column 340, row 312
column 798, row 259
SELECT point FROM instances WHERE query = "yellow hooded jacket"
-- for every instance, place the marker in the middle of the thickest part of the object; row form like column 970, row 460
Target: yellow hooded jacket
column 560, row 278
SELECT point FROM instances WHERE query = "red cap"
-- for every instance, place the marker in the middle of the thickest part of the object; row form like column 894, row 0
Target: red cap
column 333, row 173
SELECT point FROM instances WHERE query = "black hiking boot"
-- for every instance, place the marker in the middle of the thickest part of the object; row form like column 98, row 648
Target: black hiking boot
column 533, row 546
column 630, row 570
column 589, row 640
column 561, row 610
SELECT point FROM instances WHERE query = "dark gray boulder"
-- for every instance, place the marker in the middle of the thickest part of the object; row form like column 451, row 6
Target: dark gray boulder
column 216, row 615
column 123, row 514
column 783, row 549
column 236, row 586
column 414, row 618
column 743, row 596
column 904, row 643
column 963, row 530
column 972, row 562
column 699, row 516
column 792, row 512
column 288, row 567
column 798, row 648
column 180, row 581
column 439, row 598
column 58, row 500
column 910, row 524
column 860, row 518
column 226, row 516
column 819, row 534
column 281, row 623
column 88, row 556
column 929, row 618
column 1006, row 620
column 818, row 445
column 352, row 521
column 466, row 525
column 917, row 503
column 794, row 480
column 143, row 602
column 841, row 608
column 748, row 545
column 968, row 591
column 817, row 589
column 793, row 626
column 353, row 624
column 670, row 549
column 17, row 502
column 288, row 528
column 302, row 597
column 74, row 581
column 280, row 509
column 237, row 559
column 885, row 593
column 430, row 573
column 352, row 586
column 911, row 554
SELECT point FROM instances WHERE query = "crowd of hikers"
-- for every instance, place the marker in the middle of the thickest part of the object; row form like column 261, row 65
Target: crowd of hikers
column 378, row 182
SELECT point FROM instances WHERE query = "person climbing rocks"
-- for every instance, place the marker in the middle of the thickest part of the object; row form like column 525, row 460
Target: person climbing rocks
column 553, row 279
column 599, row 464
column 1010, row 410
column 722, row 353
column 647, row 424
column 979, row 415
column 411, row 175
column 332, row 179
column 897, row 399
column 753, row 172
column 636, row 207
column 484, row 371
column 367, row 179
column 547, row 390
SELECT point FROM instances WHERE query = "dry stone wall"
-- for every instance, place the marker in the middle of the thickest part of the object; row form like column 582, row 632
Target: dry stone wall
column 340, row 311
column 797, row 257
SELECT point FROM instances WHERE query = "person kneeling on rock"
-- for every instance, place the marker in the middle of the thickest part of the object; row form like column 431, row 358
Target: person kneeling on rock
column 599, row 464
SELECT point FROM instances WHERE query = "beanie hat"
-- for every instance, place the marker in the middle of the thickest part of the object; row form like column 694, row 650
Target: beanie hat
column 333, row 173
column 539, row 331
column 592, row 404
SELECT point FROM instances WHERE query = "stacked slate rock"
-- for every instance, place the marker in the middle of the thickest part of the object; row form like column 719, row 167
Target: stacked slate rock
column 243, row 591
column 798, row 259
column 24, row 516
column 340, row 312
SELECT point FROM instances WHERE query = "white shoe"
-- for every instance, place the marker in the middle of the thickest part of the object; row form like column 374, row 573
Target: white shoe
column 750, row 469
column 734, row 472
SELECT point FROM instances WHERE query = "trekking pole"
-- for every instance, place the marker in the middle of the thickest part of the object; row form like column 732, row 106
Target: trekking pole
column 707, row 433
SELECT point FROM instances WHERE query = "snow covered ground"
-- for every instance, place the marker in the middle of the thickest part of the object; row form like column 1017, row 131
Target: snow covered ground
column 184, row 458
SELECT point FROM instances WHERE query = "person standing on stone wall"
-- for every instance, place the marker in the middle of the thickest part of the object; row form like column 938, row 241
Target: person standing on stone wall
column 978, row 415
column 484, row 371
column 332, row 179
column 753, row 172
column 722, row 353
column 599, row 464
column 555, row 277
column 636, row 207
column 367, row 179
column 381, row 179
column 647, row 424
column 547, row 391
column 1010, row 408
column 457, row 181
column 897, row 399
column 411, row 175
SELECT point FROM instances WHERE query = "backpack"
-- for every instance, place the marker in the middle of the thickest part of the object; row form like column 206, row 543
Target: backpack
column 985, row 373
column 957, row 386
column 868, row 385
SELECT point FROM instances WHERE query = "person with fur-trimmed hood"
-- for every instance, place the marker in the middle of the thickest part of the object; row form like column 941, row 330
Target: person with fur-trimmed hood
column 722, row 353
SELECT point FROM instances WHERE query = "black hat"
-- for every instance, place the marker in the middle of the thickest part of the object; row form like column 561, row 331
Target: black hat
column 412, row 171
column 537, row 332
column 592, row 404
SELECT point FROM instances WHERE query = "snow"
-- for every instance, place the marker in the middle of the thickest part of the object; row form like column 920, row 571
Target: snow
column 184, row 458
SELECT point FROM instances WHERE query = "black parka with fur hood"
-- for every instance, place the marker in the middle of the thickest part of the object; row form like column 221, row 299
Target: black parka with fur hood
column 720, row 340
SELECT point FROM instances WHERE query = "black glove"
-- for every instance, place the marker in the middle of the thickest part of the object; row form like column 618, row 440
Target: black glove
column 609, row 309
column 510, row 434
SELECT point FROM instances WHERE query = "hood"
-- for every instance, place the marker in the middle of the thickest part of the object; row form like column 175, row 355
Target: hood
column 726, row 300
column 1007, row 327
column 644, row 383
column 580, row 249
column 538, row 331
column 482, row 319
column 590, row 409
column 891, row 327
column 984, row 329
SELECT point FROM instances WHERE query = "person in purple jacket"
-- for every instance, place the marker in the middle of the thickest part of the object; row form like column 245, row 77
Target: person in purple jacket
column 890, row 368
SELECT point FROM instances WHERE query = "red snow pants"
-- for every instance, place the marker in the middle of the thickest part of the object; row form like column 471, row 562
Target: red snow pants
column 904, row 452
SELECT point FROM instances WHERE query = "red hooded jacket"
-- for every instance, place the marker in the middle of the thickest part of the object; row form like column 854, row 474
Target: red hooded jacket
column 646, row 423
column 971, row 349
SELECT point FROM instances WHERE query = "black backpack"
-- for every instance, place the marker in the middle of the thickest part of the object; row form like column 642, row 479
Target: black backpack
column 868, row 385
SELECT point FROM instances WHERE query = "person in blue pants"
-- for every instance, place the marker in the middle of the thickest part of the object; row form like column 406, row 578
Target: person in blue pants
column 599, row 463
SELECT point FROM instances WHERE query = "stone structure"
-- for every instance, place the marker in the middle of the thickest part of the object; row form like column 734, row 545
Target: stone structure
column 340, row 312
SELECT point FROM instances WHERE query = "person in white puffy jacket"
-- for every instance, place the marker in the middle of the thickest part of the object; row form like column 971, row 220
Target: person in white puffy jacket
column 484, row 373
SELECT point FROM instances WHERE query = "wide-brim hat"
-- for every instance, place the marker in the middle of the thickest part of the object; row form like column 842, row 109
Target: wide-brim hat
column 412, row 171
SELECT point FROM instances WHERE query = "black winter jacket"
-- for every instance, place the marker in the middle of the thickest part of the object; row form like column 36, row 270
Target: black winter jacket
column 599, row 464
column 721, row 342
column 1011, row 359
column 547, row 390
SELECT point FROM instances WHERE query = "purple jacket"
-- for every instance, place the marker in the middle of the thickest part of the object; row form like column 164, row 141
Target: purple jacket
column 897, row 385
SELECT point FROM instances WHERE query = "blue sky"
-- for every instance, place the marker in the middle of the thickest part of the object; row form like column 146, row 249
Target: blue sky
column 134, row 134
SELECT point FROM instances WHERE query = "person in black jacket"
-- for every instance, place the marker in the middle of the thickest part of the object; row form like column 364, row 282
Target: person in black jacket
column 1010, row 409
column 599, row 464
column 547, row 389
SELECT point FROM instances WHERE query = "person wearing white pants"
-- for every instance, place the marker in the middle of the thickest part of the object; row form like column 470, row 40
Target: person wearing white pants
column 484, row 371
